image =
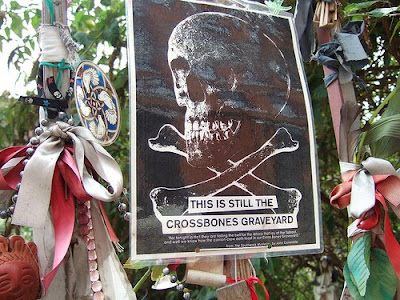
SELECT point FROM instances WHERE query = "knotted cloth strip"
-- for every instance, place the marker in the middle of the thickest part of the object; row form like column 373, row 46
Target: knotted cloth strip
column 343, row 54
column 59, row 171
column 375, row 179
column 51, row 45
column 250, row 282
column 43, row 162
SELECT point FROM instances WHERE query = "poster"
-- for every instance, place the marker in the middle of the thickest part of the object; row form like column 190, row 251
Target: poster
column 223, row 156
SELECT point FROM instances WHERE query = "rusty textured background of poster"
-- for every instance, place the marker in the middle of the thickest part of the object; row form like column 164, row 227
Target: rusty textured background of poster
column 222, row 137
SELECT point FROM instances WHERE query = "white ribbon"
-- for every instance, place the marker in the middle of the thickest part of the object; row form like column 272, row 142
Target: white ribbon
column 363, row 185
column 35, row 192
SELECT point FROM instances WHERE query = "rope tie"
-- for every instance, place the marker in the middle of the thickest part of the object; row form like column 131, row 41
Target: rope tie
column 50, row 6
column 61, row 66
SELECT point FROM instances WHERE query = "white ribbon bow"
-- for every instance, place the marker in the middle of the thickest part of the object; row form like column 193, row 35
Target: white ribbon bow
column 35, row 192
column 363, row 185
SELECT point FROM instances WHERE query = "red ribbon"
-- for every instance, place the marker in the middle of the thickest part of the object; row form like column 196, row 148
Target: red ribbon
column 386, row 187
column 250, row 282
column 66, row 185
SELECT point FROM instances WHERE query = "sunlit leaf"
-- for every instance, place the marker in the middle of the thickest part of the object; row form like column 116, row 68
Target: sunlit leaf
column 157, row 272
column 16, row 25
column 136, row 264
column 383, row 12
column 358, row 6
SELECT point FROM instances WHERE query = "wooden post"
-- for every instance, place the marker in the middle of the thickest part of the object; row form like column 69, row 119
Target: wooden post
column 337, row 93
column 238, row 291
column 60, row 16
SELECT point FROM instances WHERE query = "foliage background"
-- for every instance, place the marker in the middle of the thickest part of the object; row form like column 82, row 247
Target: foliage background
column 100, row 27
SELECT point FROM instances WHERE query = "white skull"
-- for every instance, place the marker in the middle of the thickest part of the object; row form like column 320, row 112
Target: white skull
column 219, row 65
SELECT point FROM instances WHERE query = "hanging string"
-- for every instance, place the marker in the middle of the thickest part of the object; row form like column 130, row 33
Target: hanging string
column 50, row 6
column 61, row 66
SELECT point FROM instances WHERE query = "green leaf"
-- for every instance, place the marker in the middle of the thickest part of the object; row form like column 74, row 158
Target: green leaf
column 16, row 25
column 358, row 6
column 79, row 16
column 36, row 21
column 83, row 38
column 383, row 12
column 14, row 5
column 111, row 33
column 383, row 136
column 120, row 79
column 393, row 107
column 396, row 28
column 381, row 132
column 382, row 282
column 157, row 272
column 358, row 262
column 136, row 264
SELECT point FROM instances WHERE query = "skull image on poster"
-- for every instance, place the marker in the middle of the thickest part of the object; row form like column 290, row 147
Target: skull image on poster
column 212, row 56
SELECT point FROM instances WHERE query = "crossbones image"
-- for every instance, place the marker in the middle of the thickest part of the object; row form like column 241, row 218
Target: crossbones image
column 210, row 56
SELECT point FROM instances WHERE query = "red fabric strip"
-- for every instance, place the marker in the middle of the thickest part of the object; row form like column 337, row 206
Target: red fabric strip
column 387, row 187
column 63, row 209
column 9, row 181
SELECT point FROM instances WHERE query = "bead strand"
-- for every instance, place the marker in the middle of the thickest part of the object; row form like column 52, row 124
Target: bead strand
column 32, row 145
column 86, row 231
column 180, row 287
column 122, row 207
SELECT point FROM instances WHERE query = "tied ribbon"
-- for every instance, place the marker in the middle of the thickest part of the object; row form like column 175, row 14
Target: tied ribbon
column 362, row 185
column 250, row 282
column 56, row 174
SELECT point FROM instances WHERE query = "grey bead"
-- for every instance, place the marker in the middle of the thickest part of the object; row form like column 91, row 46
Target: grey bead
column 10, row 210
column 186, row 296
column 62, row 115
column 21, row 173
column 14, row 198
column 122, row 207
column 34, row 141
column 39, row 131
column 25, row 162
column 30, row 151
column 165, row 271
column 3, row 214
column 180, row 287
column 18, row 186
column 71, row 122
column 173, row 279
column 127, row 216
column 44, row 122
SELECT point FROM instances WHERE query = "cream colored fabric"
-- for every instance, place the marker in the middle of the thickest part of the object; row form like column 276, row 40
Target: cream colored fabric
column 34, row 194
column 113, row 277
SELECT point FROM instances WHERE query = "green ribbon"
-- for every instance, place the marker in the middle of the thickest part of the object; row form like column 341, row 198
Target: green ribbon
column 50, row 6
column 61, row 66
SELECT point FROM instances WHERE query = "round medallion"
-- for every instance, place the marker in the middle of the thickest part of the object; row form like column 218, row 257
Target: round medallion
column 97, row 103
